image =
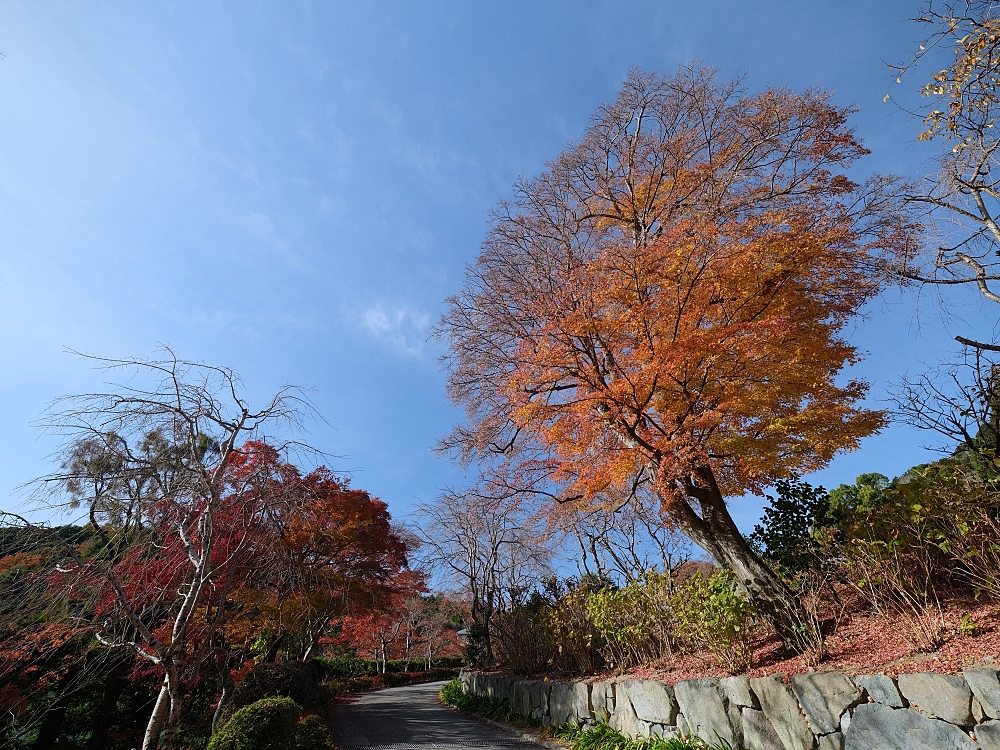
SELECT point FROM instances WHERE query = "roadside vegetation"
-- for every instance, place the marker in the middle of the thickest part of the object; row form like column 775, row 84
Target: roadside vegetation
column 208, row 572
column 598, row 737
column 654, row 328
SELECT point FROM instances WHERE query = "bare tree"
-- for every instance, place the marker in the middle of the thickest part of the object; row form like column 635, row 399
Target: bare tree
column 492, row 546
column 151, row 463
column 960, row 195
column 622, row 541
column 434, row 627
column 960, row 401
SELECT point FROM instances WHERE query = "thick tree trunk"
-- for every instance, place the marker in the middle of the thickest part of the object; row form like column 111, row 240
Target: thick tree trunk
column 486, row 612
column 158, row 718
column 174, row 715
column 714, row 530
column 51, row 725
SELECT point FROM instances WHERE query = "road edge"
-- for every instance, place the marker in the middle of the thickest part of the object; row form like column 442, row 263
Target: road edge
column 523, row 734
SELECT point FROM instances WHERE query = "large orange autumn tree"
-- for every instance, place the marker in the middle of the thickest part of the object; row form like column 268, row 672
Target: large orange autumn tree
column 658, row 315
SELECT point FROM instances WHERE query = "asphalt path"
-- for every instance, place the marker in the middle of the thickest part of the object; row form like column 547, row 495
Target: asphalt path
column 408, row 717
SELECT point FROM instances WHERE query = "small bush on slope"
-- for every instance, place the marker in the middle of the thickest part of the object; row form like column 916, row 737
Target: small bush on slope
column 268, row 724
column 272, row 724
column 295, row 680
column 715, row 616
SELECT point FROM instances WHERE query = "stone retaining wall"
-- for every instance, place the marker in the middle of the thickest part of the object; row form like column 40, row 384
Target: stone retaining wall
column 815, row 711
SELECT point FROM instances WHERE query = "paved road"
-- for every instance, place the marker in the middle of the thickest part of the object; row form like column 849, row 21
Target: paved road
column 411, row 717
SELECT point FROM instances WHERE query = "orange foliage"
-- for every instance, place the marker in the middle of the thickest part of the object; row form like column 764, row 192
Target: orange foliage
column 33, row 658
column 24, row 560
column 661, row 310
column 669, row 295
column 714, row 346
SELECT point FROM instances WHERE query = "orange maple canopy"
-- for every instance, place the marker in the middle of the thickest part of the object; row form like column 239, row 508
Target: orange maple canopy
column 711, row 347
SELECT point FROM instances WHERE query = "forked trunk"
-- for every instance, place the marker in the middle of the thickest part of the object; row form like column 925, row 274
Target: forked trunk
column 272, row 651
column 714, row 530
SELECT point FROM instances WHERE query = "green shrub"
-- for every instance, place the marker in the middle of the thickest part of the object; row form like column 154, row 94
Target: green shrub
column 272, row 724
column 345, row 667
column 941, row 524
column 296, row 680
column 267, row 724
column 603, row 737
column 714, row 615
column 311, row 734
column 344, row 685
column 933, row 531
column 636, row 622
column 446, row 662
column 476, row 650
column 454, row 695
column 798, row 536
column 417, row 664
column 791, row 533
column 411, row 678
column 340, row 686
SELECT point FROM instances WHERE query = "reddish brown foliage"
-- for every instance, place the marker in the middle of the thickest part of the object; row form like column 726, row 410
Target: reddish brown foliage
column 862, row 643
column 326, row 551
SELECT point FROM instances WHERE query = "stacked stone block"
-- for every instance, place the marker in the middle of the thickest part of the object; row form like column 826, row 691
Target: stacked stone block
column 812, row 711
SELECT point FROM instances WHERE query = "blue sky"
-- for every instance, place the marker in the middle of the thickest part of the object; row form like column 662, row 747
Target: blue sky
column 293, row 188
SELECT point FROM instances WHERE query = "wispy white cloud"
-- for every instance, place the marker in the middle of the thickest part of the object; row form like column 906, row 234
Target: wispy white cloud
column 307, row 132
column 262, row 227
column 402, row 327
column 332, row 206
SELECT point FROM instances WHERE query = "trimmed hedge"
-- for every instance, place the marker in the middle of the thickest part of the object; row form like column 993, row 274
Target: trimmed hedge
column 272, row 724
column 296, row 680
column 348, row 666
column 267, row 724
column 311, row 734
column 415, row 678
column 375, row 682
